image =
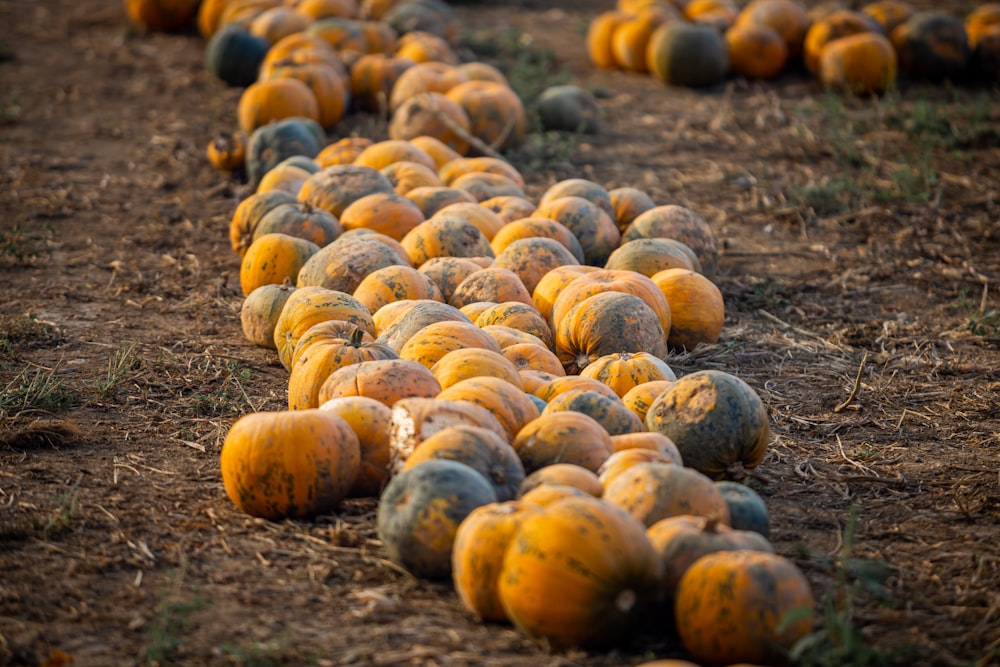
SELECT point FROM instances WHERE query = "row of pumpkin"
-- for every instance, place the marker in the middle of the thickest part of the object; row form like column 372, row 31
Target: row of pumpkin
column 495, row 369
column 698, row 42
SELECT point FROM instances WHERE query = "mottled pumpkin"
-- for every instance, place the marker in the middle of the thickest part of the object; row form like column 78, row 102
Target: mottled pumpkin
column 431, row 199
column 610, row 281
column 462, row 364
column 449, row 272
column 563, row 474
column 608, row 412
column 933, row 45
column 544, row 495
column 414, row 420
column 596, row 231
column 563, row 437
column 639, row 398
column 300, row 220
column 432, row 114
column 325, row 332
column 336, row 187
column 648, row 440
column 575, row 590
column 425, row 77
column 507, row 336
column 286, row 177
column 373, row 76
column 623, row 371
column 564, row 383
column 653, row 491
column 510, row 208
column 260, row 311
column 248, row 214
column 747, row 510
column 480, row 449
column 278, row 22
column 715, row 419
column 309, row 306
column 273, row 259
column 477, row 555
column 395, row 283
column 343, row 264
column 445, row 237
column 509, row 404
column 537, row 227
column 385, row 380
column 492, row 284
column 737, row 606
column 496, row 114
column 519, row 316
column 552, row 284
column 838, row 24
column 864, row 64
column 455, row 169
column 275, row 142
column 756, row 51
column 622, row 460
column 411, row 315
column 342, row 151
column 482, row 218
column 628, row 204
column 649, row 256
column 681, row 224
column 786, row 17
column 428, row 345
column 289, row 464
column 420, row 511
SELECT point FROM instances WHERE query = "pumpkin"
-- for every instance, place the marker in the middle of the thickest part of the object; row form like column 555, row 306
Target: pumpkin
column 537, row 227
column 445, row 237
column 276, row 99
column 243, row 12
column 484, row 186
column 373, row 76
column 302, row 221
column 465, row 363
column 491, row 284
column 630, row 39
column 322, row 359
column 579, row 572
column 431, row 199
column 564, row 383
column 509, row 404
column 530, row 356
column 343, row 35
column 580, row 187
column 653, row 491
column 837, row 25
column 162, row 15
column 519, row 316
column 325, row 81
column 681, row 224
column 697, row 309
column 275, row 142
column 448, row 272
column 273, row 259
column 986, row 53
column 277, row 22
column 681, row 540
column 342, row 151
column 756, row 51
column 326, row 332
column 289, row 464
column 477, row 555
column 932, row 44
column 260, row 310
column 343, row 264
column 604, row 324
column 715, row 419
column 483, row 219
column 593, row 227
column 568, row 108
column 369, row 420
column 544, row 495
column 284, row 176
column 421, row 47
column 622, row 460
column 336, row 187
column 562, row 474
column 508, row 336
column 438, row 150
column 403, row 319
column 785, row 17
column 385, row 380
column 747, row 510
column 562, row 437
column 425, row 77
column 639, row 398
column 321, row 9
column 552, row 284
column 608, row 412
column 432, row 114
column 648, row 440
column 413, row 420
column 420, row 511
column 737, row 606
column 534, row 380
column 481, row 449
column 599, row 35
column 227, row 151
column 889, row 14
column 248, row 214
column 302, row 48
column 384, row 212
column 476, row 70
column 431, row 343
column 509, row 208
column 980, row 21
column 209, row 12
column 649, row 256
column 623, row 371
column 687, row 54
column 864, row 63
column 308, row 306
column 628, row 203
column 394, row 283
column 384, row 153
column 406, row 176
column 430, row 18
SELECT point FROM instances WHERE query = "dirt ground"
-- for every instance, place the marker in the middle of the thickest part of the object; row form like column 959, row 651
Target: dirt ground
column 861, row 268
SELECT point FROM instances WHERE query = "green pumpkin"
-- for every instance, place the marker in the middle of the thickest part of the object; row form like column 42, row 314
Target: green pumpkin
column 687, row 54
column 275, row 142
column 932, row 45
column 569, row 109
column 234, row 55
column 747, row 510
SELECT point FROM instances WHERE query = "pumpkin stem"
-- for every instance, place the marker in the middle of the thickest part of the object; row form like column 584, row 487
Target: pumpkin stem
column 626, row 600
column 357, row 336
column 711, row 524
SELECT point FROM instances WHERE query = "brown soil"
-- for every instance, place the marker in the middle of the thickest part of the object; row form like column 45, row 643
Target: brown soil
column 860, row 269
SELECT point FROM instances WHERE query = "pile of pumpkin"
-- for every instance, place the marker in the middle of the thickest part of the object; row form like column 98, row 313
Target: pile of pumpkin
column 698, row 42
column 494, row 368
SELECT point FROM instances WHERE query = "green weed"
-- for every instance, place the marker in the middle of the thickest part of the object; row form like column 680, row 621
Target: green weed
column 839, row 640
column 171, row 621
column 120, row 364
column 19, row 246
column 979, row 320
column 24, row 329
column 62, row 516
column 34, row 389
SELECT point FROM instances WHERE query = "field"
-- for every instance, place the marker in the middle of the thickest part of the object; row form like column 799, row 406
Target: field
column 861, row 271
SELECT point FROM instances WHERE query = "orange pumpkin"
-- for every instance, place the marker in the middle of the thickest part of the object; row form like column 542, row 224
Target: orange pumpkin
column 493, row 285
column 227, row 151
column 623, row 371
column 477, row 555
column 273, row 259
column 654, row 491
column 529, row 356
column 639, row 398
column 864, row 63
column 572, row 590
column 455, row 169
column 428, row 345
column 509, row 208
column 564, row 383
column 552, row 284
column 737, row 606
column 289, row 464
column 162, row 15
column 681, row 224
column 420, row 511
column 649, row 256
column 325, row 332
column 384, row 212
column 628, row 203
column 622, row 460
column 275, row 99
column 327, row 83
column 599, row 35
column 608, row 412
column 432, row 114
column 715, row 419
column 385, row 380
column 413, row 420
column 481, row 449
column 465, row 363
column 248, row 214
column 697, row 309
column 496, row 115
column 342, row 151
column 406, row 176
column 510, row 405
column 756, row 51
column 839, row 24
column 785, row 17
column 563, row 437
column 438, row 150
column 445, row 237
column 648, row 440
column 309, row 306
column 425, row 77
column 563, row 474
column 508, row 336
column 519, row 316
column 369, row 419
column 395, row 283
column 610, row 281
column 544, row 495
